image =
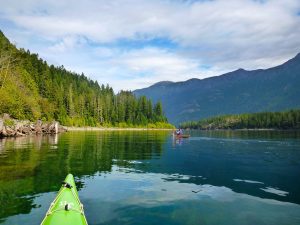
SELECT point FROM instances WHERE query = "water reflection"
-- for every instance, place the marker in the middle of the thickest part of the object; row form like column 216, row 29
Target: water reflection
column 37, row 164
column 249, row 134
column 129, row 196
column 216, row 178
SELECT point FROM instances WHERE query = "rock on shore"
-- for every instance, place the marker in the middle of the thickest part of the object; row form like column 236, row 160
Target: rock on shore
column 13, row 128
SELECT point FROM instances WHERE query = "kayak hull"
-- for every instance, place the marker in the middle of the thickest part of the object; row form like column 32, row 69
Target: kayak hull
column 182, row 136
column 66, row 209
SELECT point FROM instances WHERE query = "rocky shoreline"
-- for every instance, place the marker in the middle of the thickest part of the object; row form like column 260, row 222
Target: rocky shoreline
column 15, row 128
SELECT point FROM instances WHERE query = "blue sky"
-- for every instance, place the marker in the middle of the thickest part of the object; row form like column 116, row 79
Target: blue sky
column 132, row 44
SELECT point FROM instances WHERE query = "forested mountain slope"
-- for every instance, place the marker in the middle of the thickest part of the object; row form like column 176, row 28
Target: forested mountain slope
column 31, row 89
column 240, row 91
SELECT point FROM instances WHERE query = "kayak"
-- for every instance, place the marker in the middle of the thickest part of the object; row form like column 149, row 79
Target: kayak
column 66, row 209
column 182, row 135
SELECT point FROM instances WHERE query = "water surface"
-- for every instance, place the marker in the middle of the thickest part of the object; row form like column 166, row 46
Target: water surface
column 224, row 177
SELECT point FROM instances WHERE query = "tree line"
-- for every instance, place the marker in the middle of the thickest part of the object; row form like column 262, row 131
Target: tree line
column 264, row 120
column 32, row 89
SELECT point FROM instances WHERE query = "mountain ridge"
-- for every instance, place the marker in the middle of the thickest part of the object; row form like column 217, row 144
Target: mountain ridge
column 166, row 82
column 239, row 91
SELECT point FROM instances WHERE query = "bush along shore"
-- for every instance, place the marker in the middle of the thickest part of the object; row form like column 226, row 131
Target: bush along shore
column 14, row 128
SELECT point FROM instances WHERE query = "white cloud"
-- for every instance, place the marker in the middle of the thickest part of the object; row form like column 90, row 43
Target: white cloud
column 132, row 69
column 221, row 35
column 67, row 43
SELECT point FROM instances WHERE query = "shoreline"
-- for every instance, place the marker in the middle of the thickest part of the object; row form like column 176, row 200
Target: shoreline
column 10, row 127
column 245, row 129
column 115, row 129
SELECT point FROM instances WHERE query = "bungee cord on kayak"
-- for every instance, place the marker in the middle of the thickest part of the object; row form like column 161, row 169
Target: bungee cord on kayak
column 66, row 207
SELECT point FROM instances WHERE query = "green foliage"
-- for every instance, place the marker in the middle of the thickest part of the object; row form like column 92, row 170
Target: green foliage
column 164, row 125
column 31, row 89
column 265, row 120
column 9, row 122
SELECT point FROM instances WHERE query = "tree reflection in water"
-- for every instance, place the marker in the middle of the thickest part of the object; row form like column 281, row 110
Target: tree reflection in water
column 35, row 164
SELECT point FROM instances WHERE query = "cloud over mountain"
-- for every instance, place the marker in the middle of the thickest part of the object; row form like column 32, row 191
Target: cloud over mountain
column 142, row 42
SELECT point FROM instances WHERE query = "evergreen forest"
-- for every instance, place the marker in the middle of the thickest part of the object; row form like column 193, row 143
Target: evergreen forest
column 264, row 120
column 30, row 89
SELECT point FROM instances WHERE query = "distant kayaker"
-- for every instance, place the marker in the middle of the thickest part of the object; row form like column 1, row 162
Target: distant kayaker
column 179, row 132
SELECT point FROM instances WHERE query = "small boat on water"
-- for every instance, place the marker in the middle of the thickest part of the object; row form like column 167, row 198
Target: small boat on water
column 66, row 209
column 182, row 136
column 179, row 134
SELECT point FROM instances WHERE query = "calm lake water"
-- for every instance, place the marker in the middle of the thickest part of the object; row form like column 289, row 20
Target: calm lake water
column 137, row 177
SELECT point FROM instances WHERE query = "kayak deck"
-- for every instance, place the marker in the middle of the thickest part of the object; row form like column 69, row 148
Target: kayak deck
column 66, row 209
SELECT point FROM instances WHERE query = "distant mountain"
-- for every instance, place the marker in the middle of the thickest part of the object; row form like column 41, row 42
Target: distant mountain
column 240, row 91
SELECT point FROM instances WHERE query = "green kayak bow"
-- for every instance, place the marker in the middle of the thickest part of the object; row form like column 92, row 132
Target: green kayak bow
column 66, row 209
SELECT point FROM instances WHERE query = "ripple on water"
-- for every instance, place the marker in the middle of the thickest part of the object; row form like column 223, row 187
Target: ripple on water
column 248, row 181
column 275, row 191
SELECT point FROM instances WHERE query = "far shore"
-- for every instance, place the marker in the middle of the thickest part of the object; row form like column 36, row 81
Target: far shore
column 245, row 129
column 114, row 129
column 164, row 129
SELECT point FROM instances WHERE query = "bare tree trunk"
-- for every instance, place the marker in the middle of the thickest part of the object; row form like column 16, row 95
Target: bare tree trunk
column 5, row 64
